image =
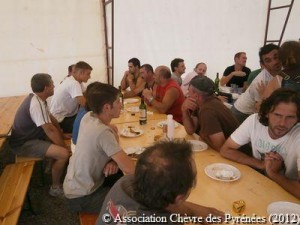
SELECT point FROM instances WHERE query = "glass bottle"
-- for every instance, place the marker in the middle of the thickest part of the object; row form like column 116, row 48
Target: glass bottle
column 217, row 82
column 143, row 112
column 121, row 97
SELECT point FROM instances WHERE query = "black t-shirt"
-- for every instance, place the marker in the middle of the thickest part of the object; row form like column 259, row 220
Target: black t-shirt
column 236, row 80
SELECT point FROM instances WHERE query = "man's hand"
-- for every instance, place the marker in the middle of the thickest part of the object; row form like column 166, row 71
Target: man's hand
column 188, row 105
column 147, row 93
column 110, row 168
column 261, row 87
column 273, row 163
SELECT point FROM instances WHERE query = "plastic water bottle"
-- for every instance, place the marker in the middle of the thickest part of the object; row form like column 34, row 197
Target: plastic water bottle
column 171, row 127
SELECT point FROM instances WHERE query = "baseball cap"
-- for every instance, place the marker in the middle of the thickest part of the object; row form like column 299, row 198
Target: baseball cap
column 204, row 84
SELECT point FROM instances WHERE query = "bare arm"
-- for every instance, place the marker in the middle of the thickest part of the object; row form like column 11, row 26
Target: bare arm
column 170, row 97
column 132, row 93
column 189, row 122
column 124, row 84
column 124, row 162
column 274, row 164
column 216, row 140
column 225, row 79
column 81, row 100
column 230, row 151
column 54, row 134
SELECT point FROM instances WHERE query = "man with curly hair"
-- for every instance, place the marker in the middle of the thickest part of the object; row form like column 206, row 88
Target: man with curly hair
column 275, row 137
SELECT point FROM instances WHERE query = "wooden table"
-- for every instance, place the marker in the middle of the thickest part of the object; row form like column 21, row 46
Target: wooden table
column 8, row 109
column 126, row 116
column 150, row 131
column 255, row 189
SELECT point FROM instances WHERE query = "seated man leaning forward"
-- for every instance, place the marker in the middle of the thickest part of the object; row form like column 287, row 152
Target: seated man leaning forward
column 132, row 78
column 166, row 97
column 275, row 136
column 97, row 153
column 36, row 133
column 68, row 96
column 164, row 176
column 203, row 110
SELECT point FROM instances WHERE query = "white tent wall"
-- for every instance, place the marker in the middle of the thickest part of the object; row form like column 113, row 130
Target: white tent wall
column 48, row 36
column 209, row 31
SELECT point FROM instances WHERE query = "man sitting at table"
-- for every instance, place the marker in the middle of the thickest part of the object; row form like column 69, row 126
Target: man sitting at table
column 166, row 96
column 203, row 110
column 97, row 153
column 132, row 77
column 199, row 70
column 178, row 68
column 36, row 133
column 147, row 73
column 238, row 73
column 164, row 176
column 245, row 104
column 68, row 96
column 275, row 137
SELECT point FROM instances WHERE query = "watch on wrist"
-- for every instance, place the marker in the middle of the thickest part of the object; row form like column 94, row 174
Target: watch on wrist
column 151, row 99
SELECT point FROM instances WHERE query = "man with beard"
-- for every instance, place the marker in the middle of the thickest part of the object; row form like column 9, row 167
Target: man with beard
column 275, row 137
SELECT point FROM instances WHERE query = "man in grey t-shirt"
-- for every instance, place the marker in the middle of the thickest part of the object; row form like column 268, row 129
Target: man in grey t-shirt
column 97, row 153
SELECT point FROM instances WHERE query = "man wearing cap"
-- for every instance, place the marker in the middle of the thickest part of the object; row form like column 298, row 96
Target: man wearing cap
column 203, row 111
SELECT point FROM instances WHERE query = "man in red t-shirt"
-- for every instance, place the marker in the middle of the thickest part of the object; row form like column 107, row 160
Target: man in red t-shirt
column 166, row 96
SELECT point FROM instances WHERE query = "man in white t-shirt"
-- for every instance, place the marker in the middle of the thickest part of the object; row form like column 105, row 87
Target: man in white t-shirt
column 245, row 104
column 275, row 137
column 68, row 96
column 36, row 133
column 199, row 70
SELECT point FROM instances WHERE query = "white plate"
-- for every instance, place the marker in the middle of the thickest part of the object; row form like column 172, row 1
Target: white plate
column 222, row 172
column 127, row 133
column 136, row 149
column 285, row 208
column 161, row 123
column 130, row 100
column 198, row 146
column 133, row 109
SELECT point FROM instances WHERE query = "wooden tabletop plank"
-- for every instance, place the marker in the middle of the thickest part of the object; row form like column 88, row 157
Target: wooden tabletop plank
column 8, row 109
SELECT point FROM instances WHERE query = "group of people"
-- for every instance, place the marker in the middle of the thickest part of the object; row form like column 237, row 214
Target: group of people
column 95, row 180
column 193, row 102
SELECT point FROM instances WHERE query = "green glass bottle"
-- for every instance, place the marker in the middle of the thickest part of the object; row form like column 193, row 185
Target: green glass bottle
column 217, row 82
column 143, row 112
column 121, row 97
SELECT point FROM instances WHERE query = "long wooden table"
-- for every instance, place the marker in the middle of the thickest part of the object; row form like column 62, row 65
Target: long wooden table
column 127, row 116
column 8, row 109
column 255, row 189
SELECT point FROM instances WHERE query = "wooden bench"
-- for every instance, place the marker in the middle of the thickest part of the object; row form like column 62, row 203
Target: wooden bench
column 14, row 183
column 88, row 218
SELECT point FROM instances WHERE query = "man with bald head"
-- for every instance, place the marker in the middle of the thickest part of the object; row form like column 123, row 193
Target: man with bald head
column 166, row 96
column 199, row 70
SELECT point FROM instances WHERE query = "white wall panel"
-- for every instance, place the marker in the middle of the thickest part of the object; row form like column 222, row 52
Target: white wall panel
column 211, row 31
column 48, row 36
